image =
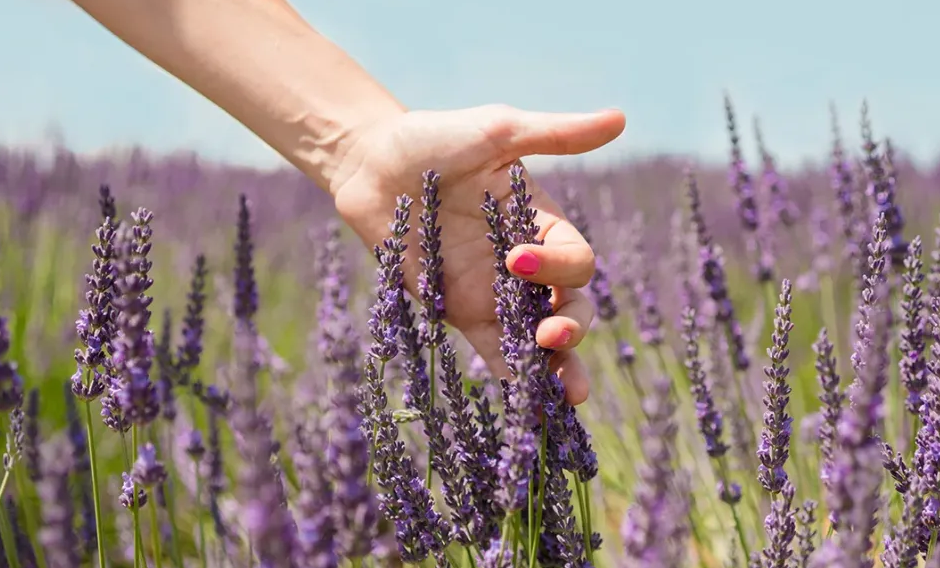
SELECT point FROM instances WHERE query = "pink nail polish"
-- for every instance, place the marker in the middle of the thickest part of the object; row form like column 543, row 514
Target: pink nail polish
column 563, row 339
column 526, row 264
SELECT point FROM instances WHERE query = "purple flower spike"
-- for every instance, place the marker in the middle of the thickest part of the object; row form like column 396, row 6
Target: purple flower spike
column 655, row 527
column 316, row 530
column 774, row 447
column 189, row 353
column 707, row 413
column 96, row 324
column 913, row 344
column 148, row 471
column 166, row 370
column 431, row 278
column 881, row 188
column 31, row 438
column 600, row 287
column 517, row 458
column 831, row 399
column 127, row 493
column 246, row 288
column 57, row 536
column 134, row 393
column 780, row 526
column 782, row 208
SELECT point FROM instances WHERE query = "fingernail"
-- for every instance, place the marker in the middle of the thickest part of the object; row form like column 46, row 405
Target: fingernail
column 526, row 264
column 562, row 340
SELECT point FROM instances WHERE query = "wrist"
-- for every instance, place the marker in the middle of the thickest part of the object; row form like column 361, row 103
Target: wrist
column 327, row 132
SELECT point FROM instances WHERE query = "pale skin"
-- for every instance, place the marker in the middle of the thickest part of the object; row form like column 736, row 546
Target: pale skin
column 263, row 64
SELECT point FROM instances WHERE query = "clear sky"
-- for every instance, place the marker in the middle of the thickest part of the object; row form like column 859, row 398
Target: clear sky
column 664, row 62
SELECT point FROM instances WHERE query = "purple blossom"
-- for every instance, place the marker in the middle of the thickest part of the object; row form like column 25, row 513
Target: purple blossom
column 706, row 412
column 655, row 528
column 126, row 498
column 902, row 545
column 600, row 288
column 57, row 536
column 31, row 438
column 805, row 534
column 246, row 288
column 831, row 399
column 147, row 470
column 780, row 526
column 774, row 447
column 782, row 208
column 189, row 352
column 913, row 365
column 315, row 505
column 166, row 369
column 882, row 189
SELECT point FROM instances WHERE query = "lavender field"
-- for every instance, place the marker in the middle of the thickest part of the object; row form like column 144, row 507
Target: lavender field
column 199, row 366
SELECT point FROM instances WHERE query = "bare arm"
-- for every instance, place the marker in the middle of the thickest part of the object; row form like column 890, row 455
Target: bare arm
column 260, row 62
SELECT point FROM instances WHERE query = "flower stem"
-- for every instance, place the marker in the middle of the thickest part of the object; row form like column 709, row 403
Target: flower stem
column 543, row 451
column 137, row 538
column 585, row 518
column 933, row 543
column 155, row 535
column 32, row 526
column 199, row 518
column 6, row 530
column 723, row 473
column 431, row 380
column 96, row 495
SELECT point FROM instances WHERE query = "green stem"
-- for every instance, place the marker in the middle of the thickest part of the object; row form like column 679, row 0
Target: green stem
column 582, row 506
column 933, row 543
column 138, row 548
column 170, row 494
column 473, row 563
column 543, row 452
column 32, row 524
column 155, row 535
column 723, row 472
column 6, row 530
column 199, row 518
column 504, row 532
column 431, row 379
column 96, row 495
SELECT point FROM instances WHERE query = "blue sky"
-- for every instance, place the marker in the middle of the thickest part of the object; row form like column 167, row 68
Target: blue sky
column 665, row 63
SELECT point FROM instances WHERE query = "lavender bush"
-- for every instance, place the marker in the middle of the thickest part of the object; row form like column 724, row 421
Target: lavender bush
column 766, row 396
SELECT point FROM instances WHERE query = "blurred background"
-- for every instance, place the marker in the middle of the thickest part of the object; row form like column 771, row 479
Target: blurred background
column 78, row 108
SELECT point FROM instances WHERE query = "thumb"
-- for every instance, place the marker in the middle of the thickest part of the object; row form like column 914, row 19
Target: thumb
column 527, row 133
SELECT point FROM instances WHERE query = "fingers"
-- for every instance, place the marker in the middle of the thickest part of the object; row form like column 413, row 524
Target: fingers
column 573, row 374
column 525, row 133
column 573, row 315
column 565, row 259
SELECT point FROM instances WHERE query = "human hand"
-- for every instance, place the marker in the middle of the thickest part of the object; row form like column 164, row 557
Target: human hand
column 472, row 149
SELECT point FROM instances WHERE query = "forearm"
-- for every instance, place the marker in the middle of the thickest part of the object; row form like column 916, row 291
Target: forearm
column 260, row 62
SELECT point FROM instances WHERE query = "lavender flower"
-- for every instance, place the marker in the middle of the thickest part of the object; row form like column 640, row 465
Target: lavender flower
column 194, row 446
column 741, row 184
column 15, row 438
column 649, row 318
column 431, row 278
column 189, row 352
column 881, row 188
column 57, row 535
column 893, row 463
column 497, row 555
column 134, row 393
column 106, row 202
column 11, row 383
column 707, row 414
column 419, row 529
column 902, row 545
column 774, row 447
column 147, row 470
column 711, row 265
column 354, row 511
column 31, row 439
column 913, row 342
column 127, row 493
column 246, row 289
column 855, row 476
column 654, row 529
column 926, row 462
column 96, row 324
column 831, row 399
column 166, row 369
column 316, row 544
column 517, row 458
column 933, row 278
column 600, row 288
column 215, row 475
column 781, row 206
column 780, row 526
column 805, row 534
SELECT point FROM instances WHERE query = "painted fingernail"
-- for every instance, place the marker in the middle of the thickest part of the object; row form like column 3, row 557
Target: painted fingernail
column 526, row 264
column 562, row 340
